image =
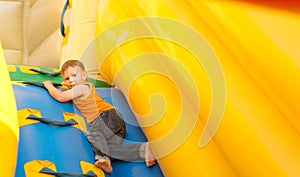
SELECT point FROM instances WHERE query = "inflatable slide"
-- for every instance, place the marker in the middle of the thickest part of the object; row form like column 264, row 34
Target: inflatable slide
column 212, row 85
column 52, row 135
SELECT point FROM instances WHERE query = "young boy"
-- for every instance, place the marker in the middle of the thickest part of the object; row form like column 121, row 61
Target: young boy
column 107, row 125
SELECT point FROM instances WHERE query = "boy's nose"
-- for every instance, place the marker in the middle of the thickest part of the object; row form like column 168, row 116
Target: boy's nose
column 71, row 79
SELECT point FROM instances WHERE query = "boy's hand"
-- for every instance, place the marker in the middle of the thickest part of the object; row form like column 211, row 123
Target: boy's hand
column 47, row 84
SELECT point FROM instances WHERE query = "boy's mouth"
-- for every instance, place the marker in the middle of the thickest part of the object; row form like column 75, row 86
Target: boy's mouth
column 70, row 86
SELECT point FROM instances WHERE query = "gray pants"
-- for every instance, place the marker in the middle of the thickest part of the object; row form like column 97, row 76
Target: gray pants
column 106, row 135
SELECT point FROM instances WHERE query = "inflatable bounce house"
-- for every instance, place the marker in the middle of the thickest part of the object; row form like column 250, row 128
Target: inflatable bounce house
column 212, row 85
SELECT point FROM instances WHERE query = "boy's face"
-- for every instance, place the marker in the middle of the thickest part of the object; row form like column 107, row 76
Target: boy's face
column 74, row 76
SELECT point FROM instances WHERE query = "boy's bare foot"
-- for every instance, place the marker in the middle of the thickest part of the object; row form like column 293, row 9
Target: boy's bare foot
column 149, row 156
column 104, row 165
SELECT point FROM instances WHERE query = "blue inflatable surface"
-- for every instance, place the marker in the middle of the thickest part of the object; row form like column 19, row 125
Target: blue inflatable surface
column 66, row 146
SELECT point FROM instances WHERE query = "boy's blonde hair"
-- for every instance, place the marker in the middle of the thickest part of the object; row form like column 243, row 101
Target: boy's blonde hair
column 71, row 63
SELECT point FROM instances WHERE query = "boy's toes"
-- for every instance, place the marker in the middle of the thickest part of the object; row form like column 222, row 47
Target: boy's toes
column 151, row 163
column 104, row 165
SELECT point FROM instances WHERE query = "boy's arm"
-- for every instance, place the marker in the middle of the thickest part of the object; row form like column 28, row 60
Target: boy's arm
column 65, row 95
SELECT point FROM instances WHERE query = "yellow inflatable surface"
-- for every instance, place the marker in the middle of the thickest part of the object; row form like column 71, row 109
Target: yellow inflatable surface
column 214, row 83
column 9, row 132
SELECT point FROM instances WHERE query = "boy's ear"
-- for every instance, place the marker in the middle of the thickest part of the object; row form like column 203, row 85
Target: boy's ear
column 85, row 75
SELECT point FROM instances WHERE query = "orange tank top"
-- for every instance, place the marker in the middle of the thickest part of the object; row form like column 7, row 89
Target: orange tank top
column 91, row 106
